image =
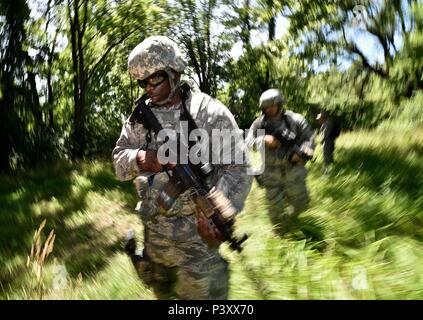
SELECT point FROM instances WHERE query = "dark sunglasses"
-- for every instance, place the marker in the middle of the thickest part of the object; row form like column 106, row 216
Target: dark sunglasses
column 153, row 80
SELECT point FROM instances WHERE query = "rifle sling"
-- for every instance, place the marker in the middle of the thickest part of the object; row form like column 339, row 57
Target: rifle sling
column 185, row 116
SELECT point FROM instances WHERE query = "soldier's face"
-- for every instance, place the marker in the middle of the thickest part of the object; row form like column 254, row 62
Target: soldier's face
column 271, row 111
column 158, row 92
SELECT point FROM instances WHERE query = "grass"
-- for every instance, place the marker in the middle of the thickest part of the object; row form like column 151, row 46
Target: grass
column 90, row 212
column 361, row 237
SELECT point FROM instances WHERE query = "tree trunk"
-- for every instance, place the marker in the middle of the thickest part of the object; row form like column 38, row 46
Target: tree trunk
column 246, row 22
column 34, row 101
column 17, row 96
column 50, row 101
column 79, row 79
column 271, row 26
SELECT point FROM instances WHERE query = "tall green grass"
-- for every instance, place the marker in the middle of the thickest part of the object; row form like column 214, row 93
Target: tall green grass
column 361, row 237
column 90, row 212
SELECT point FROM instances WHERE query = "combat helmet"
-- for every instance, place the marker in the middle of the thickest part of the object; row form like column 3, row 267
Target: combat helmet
column 154, row 54
column 157, row 53
column 271, row 97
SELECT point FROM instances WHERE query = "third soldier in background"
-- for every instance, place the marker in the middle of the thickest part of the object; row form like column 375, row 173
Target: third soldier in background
column 289, row 143
column 329, row 130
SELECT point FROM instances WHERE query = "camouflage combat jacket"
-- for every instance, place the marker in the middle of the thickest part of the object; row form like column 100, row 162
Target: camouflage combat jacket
column 292, row 121
column 179, row 222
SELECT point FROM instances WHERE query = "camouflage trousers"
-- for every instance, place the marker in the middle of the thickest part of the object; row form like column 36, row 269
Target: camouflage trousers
column 286, row 193
column 177, row 262
column 185, row 270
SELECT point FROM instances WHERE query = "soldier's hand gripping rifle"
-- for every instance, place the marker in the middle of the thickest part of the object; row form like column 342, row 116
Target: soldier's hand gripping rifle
column 289, row 141
column 188, row 176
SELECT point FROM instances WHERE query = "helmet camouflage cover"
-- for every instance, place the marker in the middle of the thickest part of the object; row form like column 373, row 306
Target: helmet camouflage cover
column 154, row 54
column 271, row 97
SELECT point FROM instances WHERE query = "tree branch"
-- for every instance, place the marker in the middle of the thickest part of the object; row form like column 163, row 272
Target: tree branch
column 352, row 47
column 91, row 72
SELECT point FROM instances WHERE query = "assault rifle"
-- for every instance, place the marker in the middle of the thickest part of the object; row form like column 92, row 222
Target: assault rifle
column 288, row 139
column 189, row 176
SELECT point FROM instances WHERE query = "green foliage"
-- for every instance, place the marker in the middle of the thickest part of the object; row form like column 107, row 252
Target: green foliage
column 20, row 115
column 258, row 69
column 90, row 212
column 360, row 238
column 319, row 63
column 249, row 76
column 408, row 64
column 196, row 25
column 409, row 115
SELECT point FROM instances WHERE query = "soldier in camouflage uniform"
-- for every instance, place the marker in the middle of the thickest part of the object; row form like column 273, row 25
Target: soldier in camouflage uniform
column 329, row 132
column 181, row 253
column 284, row 180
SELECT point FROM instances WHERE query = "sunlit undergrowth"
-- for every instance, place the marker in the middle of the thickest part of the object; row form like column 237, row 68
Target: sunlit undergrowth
column 360, row 239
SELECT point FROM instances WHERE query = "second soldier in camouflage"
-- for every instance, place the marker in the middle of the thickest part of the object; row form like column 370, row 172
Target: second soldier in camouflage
column 284, row 176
